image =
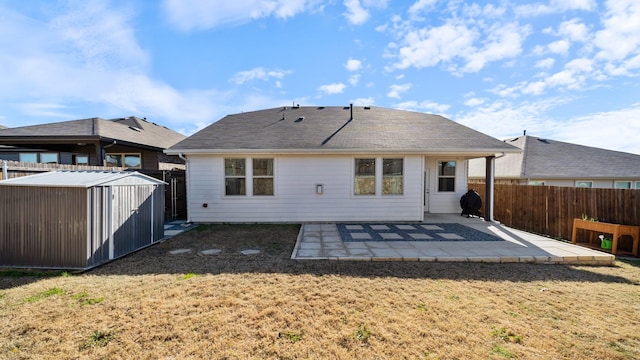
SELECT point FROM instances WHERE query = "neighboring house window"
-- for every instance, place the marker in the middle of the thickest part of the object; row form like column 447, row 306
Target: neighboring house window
column 235, row 177
column 622, row 185
column 446, row 176
column 536, row 182
column 392, row 176
column 584, row 184
column 49, row 158
column 45, row 158
column 262, row 176
column 637, row 184
column 124, row 160
column 29, row 157
column 80, row 159
column 365, row 177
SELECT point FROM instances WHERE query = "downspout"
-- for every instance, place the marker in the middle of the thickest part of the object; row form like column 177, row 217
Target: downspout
column 5, row 173
column 186, row 163
column 489, row 186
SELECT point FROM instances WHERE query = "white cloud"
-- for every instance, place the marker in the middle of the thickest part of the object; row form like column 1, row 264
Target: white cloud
column 258, row 73
column 502, row 42
column 353, row 65
column 354, row 79
column 555, row 6
column 474, row 101
column 560, row 47
column 188, row 15
column 421, row 6
column 545, row 63
column 427, row 105
column 356, row 14
column 474, row 44
column 620, row 36
column 363, row 101
column 329, row 89
column 574, row 30
column 396, row 90
column 596, row 129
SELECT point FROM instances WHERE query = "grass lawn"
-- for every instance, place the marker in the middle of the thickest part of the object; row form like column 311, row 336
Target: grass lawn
column 154, row 305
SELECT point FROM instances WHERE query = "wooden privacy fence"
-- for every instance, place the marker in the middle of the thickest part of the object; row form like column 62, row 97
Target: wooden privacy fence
column 550, row 210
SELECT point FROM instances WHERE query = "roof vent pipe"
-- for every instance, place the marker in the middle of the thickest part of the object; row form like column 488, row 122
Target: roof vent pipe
column 351, row 107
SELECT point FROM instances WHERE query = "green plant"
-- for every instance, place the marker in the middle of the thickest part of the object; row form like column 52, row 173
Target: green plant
column 422, row 307
column 291, row 336
column 188, row 276
column 98, row 338
column 84, row 299
column 499, row 350
column 44, row 294
column 363, row 333
column 506, row 335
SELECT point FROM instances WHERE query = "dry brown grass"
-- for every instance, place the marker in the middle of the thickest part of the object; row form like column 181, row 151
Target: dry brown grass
column 152, row 305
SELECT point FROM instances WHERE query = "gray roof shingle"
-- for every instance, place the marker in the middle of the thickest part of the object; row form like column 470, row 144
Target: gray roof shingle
column 330, row 129
column 545, row 158
column 132, row 130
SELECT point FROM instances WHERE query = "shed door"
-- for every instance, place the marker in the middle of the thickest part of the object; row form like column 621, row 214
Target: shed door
column 132, row 218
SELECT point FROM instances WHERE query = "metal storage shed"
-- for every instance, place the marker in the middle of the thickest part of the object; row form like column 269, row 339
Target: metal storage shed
column 78, row 219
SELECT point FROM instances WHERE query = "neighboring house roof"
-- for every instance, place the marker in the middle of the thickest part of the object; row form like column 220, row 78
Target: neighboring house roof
column 82, row 179
column 550, row 159
column 131, row 130
column 333, row 129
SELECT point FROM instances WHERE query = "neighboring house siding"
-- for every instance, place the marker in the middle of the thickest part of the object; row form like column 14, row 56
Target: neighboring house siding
column 295, row 197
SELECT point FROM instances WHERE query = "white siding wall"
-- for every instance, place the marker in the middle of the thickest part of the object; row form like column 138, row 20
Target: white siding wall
column 295, row 197
column 446, row 202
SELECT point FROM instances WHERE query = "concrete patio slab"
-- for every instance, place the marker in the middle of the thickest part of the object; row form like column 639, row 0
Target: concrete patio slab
column 323, row 241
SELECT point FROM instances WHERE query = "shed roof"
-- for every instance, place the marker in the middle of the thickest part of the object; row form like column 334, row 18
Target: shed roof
column 82, row 179
column 322, row 129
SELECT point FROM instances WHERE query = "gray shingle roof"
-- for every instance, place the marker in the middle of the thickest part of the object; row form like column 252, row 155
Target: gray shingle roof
column 132, row 130
column 544, row 158
column 329, row 129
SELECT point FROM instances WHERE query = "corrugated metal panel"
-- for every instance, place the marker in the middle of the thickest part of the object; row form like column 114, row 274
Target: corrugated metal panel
column 76, row 227
column 43, row 227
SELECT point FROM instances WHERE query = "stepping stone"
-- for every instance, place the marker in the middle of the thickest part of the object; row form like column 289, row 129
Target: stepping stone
column 432, row 227
column 449, row 236
column 354, row 227
column 250, row 252
column 379, row 227
column 391, row 236
column 361, row 236
column 420, row 236
column 210, row 252
column 179, row 251
column 406, row 227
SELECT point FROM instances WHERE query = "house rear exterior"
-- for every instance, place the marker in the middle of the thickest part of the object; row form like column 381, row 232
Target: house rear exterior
column 302, row 164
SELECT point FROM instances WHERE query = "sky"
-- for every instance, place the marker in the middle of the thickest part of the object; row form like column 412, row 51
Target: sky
column 566, row 70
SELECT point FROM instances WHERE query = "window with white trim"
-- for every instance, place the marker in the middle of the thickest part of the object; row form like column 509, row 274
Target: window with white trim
column 584, row 184
column 235, row 179
column 262, row 177
column 392, row 176
column 622, row 185
column 446, row 176
column 365, row 177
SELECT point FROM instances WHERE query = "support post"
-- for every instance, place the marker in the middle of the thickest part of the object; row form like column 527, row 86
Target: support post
column 489, row 188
